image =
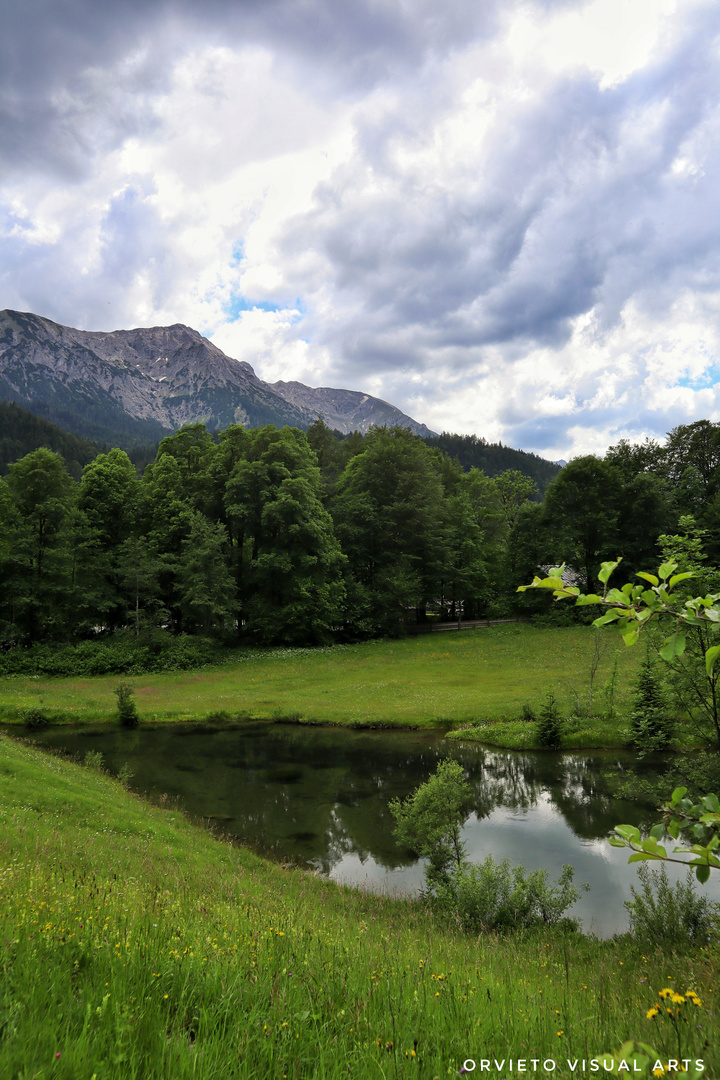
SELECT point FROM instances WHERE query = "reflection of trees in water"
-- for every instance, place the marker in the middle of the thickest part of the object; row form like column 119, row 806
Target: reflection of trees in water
column 315, row 795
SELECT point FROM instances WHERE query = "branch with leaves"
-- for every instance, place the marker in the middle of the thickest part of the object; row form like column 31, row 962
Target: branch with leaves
column 632, row 608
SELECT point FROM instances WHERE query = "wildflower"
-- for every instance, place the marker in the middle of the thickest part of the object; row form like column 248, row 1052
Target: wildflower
column 652, row 1012
column 560, row 1033
column 678, row 999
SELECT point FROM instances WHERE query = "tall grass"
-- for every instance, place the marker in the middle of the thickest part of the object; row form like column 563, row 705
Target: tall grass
column 134, row 945
column 435, row 679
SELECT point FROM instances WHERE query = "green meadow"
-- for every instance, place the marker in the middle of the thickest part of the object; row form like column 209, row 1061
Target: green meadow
column 134, row 944
column 483, row 675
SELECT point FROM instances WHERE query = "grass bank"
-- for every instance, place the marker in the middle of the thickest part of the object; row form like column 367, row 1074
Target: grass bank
column 133, row 944
column 448, row 678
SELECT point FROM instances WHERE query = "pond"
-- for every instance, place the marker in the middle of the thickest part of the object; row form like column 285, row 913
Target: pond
column 319, row 797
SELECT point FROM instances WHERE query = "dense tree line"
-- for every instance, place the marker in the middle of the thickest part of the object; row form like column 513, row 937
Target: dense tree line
column 624, row 503
column 272, row 535
column 283, row 536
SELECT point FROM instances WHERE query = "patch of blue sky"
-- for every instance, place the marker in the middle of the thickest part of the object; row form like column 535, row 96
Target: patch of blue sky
column 237, row 304
column 707, row 378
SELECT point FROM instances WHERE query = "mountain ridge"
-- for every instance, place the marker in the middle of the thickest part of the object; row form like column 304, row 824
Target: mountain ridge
column 145, row 382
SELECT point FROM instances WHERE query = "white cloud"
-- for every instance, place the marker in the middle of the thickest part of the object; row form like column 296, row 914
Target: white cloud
column 507, row 228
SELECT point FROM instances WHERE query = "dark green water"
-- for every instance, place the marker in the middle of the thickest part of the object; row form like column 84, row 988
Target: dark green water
column 319, row 797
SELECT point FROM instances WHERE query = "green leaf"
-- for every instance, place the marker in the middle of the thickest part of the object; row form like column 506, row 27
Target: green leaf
column 643, row 856
column 674, row 646
column 606, row 570
column 628, row 832
column 588, row 598
column 629, row 634
column 657, row 831
column 678, row 794
column 603, row 620
column 681, row 577
column 711, row 803
column 667, row 569
column 648, row 577
column 702, row 873
column 616, row 842
column 710, row 659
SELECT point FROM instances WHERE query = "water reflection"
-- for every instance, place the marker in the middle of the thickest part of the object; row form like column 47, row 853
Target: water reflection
column 319, row 797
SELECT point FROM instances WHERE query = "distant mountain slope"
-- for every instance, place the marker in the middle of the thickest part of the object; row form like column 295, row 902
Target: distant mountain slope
column 494, row 458
column 21, row 432
column 347, row 410
column 135, row 386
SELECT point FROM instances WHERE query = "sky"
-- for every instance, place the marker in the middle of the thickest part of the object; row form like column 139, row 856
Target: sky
column 503, row 217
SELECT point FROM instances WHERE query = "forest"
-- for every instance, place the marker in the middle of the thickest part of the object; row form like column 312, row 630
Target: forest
column 283, row 536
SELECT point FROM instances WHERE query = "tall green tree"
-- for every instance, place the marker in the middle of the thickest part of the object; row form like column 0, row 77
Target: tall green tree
column 205, row 585
column 390, row 517
column 42, row 496
column 291, row 582
column 108, row 508
column 580, row 510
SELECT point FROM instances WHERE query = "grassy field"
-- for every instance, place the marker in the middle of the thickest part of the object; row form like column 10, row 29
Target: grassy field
column 447, row 678
column 134, row 945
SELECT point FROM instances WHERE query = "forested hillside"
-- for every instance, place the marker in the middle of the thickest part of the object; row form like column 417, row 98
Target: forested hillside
column 274, row 535
column 474, row 452
column 22, row 431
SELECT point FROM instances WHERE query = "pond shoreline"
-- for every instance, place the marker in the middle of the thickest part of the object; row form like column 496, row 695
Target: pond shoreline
column 318, row 796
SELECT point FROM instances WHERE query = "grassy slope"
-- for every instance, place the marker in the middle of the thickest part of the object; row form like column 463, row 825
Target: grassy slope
column 134, row 945
column 479, row 674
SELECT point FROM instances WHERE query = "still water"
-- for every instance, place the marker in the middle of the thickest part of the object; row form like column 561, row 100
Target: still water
column 319, row 797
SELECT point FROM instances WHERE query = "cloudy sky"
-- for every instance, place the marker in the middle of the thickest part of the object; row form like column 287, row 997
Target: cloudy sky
column 502, row 217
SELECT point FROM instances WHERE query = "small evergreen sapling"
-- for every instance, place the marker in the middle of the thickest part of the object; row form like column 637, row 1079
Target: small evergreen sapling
column 549, row 724
column 127, row 710
column 650, row 724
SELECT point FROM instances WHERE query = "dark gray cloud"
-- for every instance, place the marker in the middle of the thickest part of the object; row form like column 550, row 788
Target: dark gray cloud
column 577, row 207
column 577, row 198
column 76, row 75
column 548, row 432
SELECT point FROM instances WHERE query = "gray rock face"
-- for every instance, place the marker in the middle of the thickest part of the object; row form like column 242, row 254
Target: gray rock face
column 140, row 384
column 346, row 410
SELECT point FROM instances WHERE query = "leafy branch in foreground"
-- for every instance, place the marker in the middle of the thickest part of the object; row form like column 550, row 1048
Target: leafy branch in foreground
column 679, row 814
column 633, row 607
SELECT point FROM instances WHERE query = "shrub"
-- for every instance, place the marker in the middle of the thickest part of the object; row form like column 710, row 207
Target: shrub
column 492, row 896
column 35, row 719
column 662, row 916
column 549, row 724
column 651, row 727
column 127, row 710
column 94, row 760
column 126, row 774
column 117, row 654
column 429, row 821
column 528, row 714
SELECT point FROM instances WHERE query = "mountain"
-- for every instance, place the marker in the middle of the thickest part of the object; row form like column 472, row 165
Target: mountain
column 135, row 386
column 346, row 410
